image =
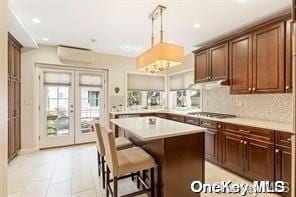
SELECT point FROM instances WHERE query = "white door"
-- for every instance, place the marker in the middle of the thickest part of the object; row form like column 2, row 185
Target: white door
column 57, row 108
column 70, row 101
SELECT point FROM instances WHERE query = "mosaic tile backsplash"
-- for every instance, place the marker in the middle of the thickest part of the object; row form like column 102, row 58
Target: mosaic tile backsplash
column 273, row 107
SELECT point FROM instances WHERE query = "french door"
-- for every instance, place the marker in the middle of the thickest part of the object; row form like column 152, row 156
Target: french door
column 70, row 102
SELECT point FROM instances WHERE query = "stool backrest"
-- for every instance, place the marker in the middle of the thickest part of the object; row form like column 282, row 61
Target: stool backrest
column 111, row 151
column 100, row 141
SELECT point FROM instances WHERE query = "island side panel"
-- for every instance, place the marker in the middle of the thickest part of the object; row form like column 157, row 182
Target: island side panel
column 184, row 163
column 180, row 160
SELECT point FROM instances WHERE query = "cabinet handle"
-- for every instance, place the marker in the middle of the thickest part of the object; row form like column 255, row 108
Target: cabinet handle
column 245, row 142
column 289, row 139
column 254, row 89
column 250, row 89
column 242, row 141
column 287, row 87
column 219, row 126
column 277, row 150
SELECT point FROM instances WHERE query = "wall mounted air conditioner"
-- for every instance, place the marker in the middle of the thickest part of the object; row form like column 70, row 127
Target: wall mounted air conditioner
column 75, row 54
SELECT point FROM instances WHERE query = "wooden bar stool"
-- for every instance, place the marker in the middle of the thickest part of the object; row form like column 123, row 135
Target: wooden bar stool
column 126, row 163
column 121, row 143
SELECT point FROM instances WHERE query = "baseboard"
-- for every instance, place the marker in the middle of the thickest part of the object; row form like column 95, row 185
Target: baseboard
column 27, row 151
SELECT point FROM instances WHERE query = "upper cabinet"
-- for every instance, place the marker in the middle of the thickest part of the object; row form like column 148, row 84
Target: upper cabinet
column 218, row 68
column 258, row 60
column 212, row 64
column 240, row 65
column 269, row 59
column 201, row 67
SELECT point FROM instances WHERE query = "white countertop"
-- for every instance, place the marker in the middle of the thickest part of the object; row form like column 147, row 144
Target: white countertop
column 272, row 125
column 140, row 127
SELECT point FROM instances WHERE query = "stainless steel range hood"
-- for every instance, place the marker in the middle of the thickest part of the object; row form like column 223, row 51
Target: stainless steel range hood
column 209, row 84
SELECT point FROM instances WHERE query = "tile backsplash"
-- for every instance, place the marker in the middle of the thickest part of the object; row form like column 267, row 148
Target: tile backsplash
column 273, row 107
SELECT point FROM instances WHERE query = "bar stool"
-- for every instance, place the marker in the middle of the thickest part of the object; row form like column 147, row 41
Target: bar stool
column 121, row 143
column 125, row 163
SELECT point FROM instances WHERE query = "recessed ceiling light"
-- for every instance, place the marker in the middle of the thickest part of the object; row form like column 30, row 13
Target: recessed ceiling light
column 36, row 20
column 241, row 1
column 127, row 46
column 45, row 39
column 196, row 25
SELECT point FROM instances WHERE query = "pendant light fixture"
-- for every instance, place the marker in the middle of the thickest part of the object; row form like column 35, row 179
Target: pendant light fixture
column 162, row 55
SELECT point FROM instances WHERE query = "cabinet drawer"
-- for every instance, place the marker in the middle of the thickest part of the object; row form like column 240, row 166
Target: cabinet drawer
column 176, row 117
column 210, row 124
column 160, row 115
column 250, row 132
column 283, row 139
column 191, row 120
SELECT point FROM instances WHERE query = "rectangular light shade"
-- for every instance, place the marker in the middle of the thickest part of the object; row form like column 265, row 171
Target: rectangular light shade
column 160, row 55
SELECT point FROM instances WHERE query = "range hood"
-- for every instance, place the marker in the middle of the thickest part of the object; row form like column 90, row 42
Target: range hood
column 209, row 84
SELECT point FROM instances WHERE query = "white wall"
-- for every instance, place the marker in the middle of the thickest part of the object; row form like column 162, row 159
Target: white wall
column 3, row 97
column 117, row 66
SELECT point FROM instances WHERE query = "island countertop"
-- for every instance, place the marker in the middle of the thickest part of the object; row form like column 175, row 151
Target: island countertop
column 140, row 127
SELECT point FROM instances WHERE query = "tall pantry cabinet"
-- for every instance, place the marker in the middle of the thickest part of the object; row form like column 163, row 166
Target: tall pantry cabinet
column 14, row 96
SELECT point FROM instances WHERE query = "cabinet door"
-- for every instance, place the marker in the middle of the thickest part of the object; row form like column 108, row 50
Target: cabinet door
column 269, row 59
column 17, row 62
column 240, row 65
column 11, row 139
column 211, row 140
column 283, row 168
column 289, row 29
column 219, row 62
column 259, row 160
column 233, row 153
column 11, row 71
column 201, row 72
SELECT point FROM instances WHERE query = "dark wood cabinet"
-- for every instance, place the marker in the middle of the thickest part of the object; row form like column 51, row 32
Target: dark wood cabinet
column 212, row 64
column 289, row 29
column 269, row 59
column 259, row 160
column 218, row 68
column 213, row 143
column 192, row 120
column 233, row 152
column 242, row 146
column 283, row 158
column 240, row 65
column 175, row 117
column 259, row 59
column 14, row 94
column 201, row 71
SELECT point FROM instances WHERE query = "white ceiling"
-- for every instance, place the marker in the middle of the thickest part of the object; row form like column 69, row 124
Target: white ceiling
column 122, row 26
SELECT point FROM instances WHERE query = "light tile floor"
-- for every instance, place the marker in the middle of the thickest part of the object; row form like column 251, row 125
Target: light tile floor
column 72, row 172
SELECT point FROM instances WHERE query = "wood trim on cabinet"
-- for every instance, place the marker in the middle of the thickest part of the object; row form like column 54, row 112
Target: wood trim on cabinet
column 289, row 82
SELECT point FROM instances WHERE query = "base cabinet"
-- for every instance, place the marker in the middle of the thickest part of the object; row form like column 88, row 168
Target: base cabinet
column 283, row 158
column 249, row 151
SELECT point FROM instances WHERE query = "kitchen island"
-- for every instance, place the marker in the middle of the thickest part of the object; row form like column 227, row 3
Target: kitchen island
column 178, row 149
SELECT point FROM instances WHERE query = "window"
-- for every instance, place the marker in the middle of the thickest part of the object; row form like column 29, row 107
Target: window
column 185, row 99
column 145, row 99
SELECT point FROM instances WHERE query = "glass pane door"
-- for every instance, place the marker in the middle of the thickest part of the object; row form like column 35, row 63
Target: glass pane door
column 90, row 108
column 57, row 108
column 57, row 111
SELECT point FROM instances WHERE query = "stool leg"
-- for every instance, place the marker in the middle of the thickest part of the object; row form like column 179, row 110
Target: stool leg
column 115, row 187
column 152, row 187
column 103, row 171
column 108, row 180
column 138, row 180
column 99, row 164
